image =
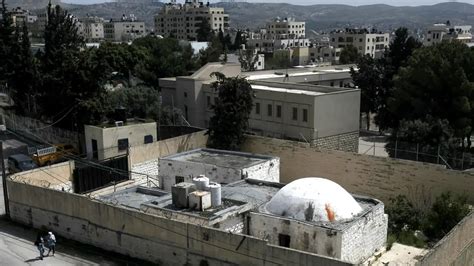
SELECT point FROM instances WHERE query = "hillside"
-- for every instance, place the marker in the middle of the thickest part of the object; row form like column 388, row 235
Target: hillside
column 317, row 17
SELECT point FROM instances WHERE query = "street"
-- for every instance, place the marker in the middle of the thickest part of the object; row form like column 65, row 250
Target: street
column 17, row 248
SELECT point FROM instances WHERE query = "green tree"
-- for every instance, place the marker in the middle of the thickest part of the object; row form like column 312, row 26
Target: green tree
column 248, row 59
column 164, row 58
column 447, row 211
column 402, row 215
column 396, row 56
column 349, row 55
column 211, row 53
column 231, row 112
column 435, row 83
column 7, row 45
column 239, row 40
column 25, row 78
column 140, row 101
column 368, row 78
column 204, row 32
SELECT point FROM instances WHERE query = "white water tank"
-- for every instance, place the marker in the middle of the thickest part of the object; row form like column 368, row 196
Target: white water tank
column 216, row 194
column 201, row 182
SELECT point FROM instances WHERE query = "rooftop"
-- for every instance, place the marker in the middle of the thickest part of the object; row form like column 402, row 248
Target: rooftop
column 228, row 159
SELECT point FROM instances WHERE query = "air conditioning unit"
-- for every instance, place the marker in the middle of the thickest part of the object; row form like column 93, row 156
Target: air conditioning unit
column 118, row 123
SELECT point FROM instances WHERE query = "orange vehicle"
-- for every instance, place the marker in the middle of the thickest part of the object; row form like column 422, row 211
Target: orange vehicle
column 54, row 154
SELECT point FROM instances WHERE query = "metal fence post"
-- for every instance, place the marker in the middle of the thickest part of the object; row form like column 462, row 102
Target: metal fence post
column 417, row 149
column 462, row 162
column 396, row 147
column 437, row 157
column 374, row 148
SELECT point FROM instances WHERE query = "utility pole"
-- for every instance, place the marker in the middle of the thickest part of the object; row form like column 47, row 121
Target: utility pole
column 4, row 181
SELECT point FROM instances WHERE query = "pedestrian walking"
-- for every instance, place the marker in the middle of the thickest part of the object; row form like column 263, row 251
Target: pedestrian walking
column 39, row 243
column 51, row 242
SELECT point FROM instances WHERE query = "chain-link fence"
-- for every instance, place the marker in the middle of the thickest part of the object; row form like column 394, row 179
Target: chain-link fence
column 449, row 157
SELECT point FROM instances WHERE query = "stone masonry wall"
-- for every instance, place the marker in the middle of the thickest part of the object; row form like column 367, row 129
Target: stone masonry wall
column 133, row 233
column 377, row 177
column 344, row 142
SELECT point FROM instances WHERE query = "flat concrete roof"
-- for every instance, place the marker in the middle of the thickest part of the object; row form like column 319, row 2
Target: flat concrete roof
column 227, row 159
column 295, row 72
column 285, row 90
column 133, row 197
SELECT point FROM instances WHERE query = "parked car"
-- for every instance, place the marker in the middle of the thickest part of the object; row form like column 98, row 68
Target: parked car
column 20, row 162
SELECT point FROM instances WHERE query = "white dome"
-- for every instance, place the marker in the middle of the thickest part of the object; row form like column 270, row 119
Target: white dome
column 314, row 199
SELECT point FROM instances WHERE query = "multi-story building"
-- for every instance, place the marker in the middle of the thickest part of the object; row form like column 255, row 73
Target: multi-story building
column 311, row 55
column 21, row 16
column 311, row 105
column 367, row 42
column 279, row 34
column 439, row 32
column 91, row 28
column 124, row 30
column 182, row 21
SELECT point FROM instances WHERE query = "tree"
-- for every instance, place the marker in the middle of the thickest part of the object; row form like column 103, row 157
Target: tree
column 446, row 212
column 368, row 78
column 204, row 32
column 436, row 82
column 25, row 77
column 349, row 55
column 231, row 112
column 248, row 60
column 239, row 40
column 211, row 53
column 400, row 49
column 7, row 45
column 164, row 58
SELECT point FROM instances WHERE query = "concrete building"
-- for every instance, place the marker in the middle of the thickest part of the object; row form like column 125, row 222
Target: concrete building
column 367, row 42
column 110, row 140
column 279, row 34
column 124, row 30
column 439, row 32
column 182, row 21
column 307, row 104
column 21, row 16
column 302, row 56
column 91, row 28
column 219, row 166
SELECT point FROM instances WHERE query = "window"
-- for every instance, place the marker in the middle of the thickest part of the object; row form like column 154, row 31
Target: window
column 332, row 83
column 185, row 95
column 257, row 108
column 122, row 144
column 186, row 112
column 284, row 240
column 279, row 111
column 295, row 113
column 341, row 84
column 178, row 179
column 148, row 139
column 269, row 110
column 305, row 115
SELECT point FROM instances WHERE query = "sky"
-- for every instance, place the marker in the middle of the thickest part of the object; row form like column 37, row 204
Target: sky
column 313, row 2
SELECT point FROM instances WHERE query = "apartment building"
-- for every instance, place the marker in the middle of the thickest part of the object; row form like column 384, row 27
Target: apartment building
column 367, row 42
column 21, row 16
column 182, row 21
column 124, row 30
column 302, row 56
column 279, row 34
column 91, row 28
column 310, row 105
column 439, row 32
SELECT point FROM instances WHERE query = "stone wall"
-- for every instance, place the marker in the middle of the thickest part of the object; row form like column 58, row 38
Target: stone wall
column 153, row 151
column 377, row 177
column 344, row 142
column 456, row 248
column 56, row 176
column 131, row 232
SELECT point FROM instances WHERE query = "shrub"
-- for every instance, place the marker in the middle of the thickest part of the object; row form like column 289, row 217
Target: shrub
column 402, row 216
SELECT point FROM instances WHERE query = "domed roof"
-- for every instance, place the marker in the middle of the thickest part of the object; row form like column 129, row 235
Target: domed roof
column 314, row 199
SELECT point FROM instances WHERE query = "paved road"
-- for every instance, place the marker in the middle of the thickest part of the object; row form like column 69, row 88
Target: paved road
column 16, row 248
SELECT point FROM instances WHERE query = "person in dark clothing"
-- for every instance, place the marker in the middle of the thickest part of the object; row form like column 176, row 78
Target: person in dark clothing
column 39, row 243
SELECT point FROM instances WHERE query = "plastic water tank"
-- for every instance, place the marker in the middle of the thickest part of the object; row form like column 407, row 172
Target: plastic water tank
column 216, row 194
column 201, row 182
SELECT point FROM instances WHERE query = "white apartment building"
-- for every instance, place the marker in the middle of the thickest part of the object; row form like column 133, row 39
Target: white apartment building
column 439, row 32
column 279, row 34
column 183, row 20
column 367, row 42
column 124, row 30
column 309, row 105
column 91, row 28
column 21, row 16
